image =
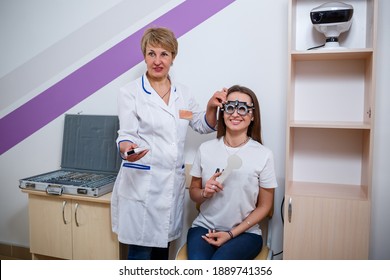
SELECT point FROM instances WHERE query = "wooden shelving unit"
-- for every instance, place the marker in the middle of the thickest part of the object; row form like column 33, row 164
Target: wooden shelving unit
column 330, row 117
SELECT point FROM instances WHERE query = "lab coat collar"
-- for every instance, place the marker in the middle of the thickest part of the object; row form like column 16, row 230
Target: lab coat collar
column 148, row 89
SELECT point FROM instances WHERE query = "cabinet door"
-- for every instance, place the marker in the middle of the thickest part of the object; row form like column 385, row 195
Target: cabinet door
column 326, row 228
column 50, row 226
column 92, row 235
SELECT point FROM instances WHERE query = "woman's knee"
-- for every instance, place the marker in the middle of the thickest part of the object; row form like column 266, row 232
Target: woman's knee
column 243, row 247
column 197, row 248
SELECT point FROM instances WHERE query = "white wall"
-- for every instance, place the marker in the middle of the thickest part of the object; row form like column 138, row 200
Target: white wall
column 380, row 222
column 245, row 43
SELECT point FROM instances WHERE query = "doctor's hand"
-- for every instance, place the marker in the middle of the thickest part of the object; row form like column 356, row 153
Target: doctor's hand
column 138, row 156
column 212, row 186
column 128, row 146
column 217, row 100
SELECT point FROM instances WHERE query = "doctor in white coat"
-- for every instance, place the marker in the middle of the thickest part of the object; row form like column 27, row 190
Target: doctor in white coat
column 155, row 112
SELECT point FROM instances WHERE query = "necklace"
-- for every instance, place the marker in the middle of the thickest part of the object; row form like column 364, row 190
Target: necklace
column 232, row 150
column 239, row 145
column 169, row 90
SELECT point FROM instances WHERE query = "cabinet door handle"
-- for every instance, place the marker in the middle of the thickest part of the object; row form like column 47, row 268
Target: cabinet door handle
column 289, row 209
column 75, row 214
column 63, row 212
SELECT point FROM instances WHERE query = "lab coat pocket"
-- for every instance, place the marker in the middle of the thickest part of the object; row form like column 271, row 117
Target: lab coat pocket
column 186, row 114
column 135, row 182
column 183, row 126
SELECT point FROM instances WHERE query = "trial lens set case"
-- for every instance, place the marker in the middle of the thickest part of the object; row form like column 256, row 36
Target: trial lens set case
column 90, row 160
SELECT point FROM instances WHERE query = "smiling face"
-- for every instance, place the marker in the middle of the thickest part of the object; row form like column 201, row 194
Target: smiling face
column 250, row 123
column 235, row 122
column 158, row 62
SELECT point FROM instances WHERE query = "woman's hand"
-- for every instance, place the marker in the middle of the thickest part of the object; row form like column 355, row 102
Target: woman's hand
column 216, row 238
column 212, row 186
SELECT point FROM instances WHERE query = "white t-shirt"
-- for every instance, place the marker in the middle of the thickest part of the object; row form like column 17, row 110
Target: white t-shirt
column 228, row 208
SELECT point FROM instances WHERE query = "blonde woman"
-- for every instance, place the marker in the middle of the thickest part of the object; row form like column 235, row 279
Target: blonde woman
column 154, row 113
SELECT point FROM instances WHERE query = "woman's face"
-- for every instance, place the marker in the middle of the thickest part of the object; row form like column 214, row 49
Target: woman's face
column 236, row 122
column 158, row 62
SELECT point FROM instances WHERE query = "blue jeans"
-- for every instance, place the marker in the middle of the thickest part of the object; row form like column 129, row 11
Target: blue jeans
column 136, row 252
column 246, row 246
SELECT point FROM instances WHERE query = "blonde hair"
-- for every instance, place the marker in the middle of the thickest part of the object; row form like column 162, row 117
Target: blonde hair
column 160, row 37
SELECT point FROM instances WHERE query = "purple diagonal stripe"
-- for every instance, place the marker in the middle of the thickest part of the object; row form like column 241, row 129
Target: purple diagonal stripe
column 56, row 100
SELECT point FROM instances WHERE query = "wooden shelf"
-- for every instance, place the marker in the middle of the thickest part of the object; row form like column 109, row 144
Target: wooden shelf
column 336, row 125
column 333, row 54
column 317, row 189
column 330, row 116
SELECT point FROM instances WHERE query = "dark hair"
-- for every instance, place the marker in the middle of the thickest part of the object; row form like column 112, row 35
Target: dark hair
column 254, row 129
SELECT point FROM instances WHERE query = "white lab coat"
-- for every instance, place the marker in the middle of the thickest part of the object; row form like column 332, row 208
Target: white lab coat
column 148, row 195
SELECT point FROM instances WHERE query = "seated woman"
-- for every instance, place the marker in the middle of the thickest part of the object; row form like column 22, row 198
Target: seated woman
column 229, row 213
